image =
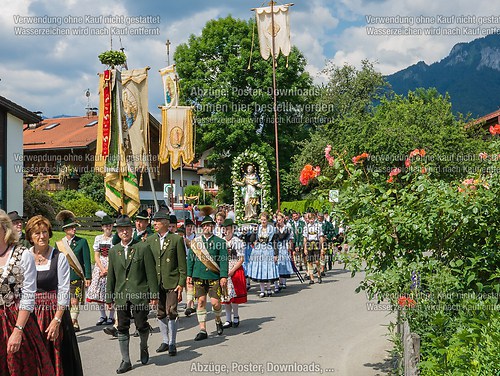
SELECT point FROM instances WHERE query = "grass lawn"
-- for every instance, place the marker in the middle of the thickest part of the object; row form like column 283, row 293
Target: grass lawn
column 89, row 235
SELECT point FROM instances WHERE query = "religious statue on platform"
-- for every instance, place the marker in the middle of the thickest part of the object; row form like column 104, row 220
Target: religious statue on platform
column 251, row 187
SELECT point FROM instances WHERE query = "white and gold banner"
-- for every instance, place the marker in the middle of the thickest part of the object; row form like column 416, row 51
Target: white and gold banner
column 136, row 111
column 177, row 136
column 281, row 30
column 170, row 86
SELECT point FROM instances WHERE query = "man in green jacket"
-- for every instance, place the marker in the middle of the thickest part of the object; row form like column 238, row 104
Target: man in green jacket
column 170, row 259
column 207, row 269
column 297, row 224
column 131, row 286
column 77, row 252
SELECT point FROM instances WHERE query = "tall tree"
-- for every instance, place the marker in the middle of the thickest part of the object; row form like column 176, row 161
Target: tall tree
column 233, row 99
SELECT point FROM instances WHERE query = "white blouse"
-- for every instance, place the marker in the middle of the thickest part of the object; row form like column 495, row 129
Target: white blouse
column 63, row 276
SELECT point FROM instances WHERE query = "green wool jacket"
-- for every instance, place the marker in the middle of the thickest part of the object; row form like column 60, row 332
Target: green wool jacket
column 170, row 261
column 81, row 250
column 217, row 249
column 328, row 230
column 132, row 279
column 297, row 231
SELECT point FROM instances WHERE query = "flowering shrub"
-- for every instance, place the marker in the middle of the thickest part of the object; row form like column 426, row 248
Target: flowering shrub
column 429, row 249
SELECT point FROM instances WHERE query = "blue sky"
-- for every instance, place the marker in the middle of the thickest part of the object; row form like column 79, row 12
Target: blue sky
column 51, row 73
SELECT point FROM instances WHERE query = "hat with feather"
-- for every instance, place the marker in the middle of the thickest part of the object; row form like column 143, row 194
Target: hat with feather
column 67, row 218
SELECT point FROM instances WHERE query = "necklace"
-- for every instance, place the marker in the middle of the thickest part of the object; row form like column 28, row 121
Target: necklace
column 41, row 258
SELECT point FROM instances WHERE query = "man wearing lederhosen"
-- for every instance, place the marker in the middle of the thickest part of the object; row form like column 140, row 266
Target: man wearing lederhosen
column 170, row 259
column 207, row 270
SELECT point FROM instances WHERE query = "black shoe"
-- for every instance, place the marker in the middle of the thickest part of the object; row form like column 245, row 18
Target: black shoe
column 201, row 335
column 109, row 322
column 311, row 282
column 306, row 276
column 220, row 328
column 144, row 355
column 136, row 333
column 320, row 280
column 189, row 311
column 163, row 347
column 124, row 367
column 111, row 331
column 172, row 350
column 102, row 320
column 323, row 274
column 76, row 327
column 227, row 324
column 236, row 321
column 300, row 268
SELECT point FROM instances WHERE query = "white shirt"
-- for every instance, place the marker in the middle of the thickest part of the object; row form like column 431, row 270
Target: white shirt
column 63, row 276
column 125, row 247
column 313, row 231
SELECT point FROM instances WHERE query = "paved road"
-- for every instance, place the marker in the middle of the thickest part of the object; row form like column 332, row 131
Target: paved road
column 315, row 329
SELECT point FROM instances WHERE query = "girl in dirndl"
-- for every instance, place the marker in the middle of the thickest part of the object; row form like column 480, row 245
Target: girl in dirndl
column 262, row 265
column 236, row 284
column 97, row 289
column 283, row 239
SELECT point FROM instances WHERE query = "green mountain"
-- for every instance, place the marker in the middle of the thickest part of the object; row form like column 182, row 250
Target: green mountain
column 470, row 74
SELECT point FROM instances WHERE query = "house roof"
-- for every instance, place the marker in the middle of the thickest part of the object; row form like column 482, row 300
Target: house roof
column 493, row 117
column 61, row 133
column 69, row 133
column 18, row 111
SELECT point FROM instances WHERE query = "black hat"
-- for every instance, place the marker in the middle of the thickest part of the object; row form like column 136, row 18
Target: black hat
column 14, row 216
column 173, row 219
column 228, row 222
column 208, row 221
column 163, row 213
column 142, row 215
column 181, row 229
column 188, row 222
column 67, row 218
column 106, row 220
column 123, row 221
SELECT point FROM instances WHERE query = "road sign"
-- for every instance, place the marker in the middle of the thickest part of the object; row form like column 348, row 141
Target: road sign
column 168, row 190
column 333, row 195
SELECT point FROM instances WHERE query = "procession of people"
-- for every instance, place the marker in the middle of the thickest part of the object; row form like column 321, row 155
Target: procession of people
column 154, row 266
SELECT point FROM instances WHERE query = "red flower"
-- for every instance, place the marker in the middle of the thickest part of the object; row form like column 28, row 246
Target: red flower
column 360, row 158
column 395, row 172
column 417, row 152
column 407, row 163
column 483, row 156
column 495, row 129
column 308, row 173
column 403, row 301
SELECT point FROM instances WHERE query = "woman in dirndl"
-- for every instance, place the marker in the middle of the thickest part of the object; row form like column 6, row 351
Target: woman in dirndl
column 262, row 266
column 236, row 284
column 22, row 350
column 283, row 239
column 97, row 289
column 52, row 299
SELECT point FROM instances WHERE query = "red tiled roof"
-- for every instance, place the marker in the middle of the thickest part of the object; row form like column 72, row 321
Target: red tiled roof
column 70, row 133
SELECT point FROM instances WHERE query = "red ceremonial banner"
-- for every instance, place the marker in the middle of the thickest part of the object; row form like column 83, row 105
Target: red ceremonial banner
column 106, row 124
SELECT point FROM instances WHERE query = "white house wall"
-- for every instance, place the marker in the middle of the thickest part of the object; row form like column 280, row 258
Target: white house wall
column 14, row 164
